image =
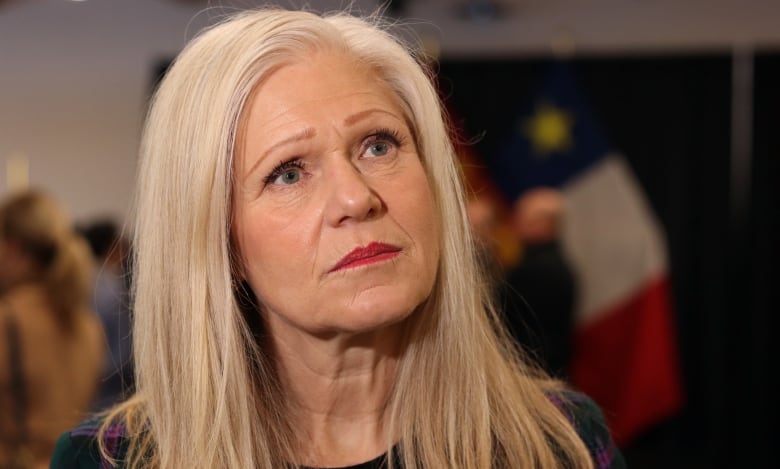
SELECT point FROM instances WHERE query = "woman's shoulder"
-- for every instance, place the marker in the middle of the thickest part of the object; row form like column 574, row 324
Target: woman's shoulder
column 79, row 449
column 588, row 421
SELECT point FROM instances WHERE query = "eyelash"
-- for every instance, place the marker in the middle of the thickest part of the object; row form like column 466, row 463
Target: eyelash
column 283, row 166
column 393, row 136
column 386, row 134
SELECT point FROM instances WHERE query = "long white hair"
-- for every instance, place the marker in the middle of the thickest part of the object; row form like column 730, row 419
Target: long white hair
column 207, row 394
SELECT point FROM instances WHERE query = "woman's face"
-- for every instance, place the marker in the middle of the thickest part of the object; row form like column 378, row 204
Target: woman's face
column 333, row 215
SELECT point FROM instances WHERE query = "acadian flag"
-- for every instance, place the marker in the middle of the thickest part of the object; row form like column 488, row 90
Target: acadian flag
column 625, row 354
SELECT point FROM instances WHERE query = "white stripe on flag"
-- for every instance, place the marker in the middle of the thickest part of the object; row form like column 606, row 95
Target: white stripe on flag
column 611, row 237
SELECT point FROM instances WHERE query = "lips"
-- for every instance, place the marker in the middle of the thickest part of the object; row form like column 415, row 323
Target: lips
column 374, row 252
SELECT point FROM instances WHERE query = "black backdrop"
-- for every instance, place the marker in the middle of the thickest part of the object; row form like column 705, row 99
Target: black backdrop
column 671, row 118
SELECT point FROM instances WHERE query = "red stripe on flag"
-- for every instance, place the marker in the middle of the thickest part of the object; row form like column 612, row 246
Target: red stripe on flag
column 626, row 360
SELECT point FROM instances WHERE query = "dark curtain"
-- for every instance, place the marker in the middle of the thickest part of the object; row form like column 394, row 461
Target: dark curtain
column 671, row 118
column 760, row 297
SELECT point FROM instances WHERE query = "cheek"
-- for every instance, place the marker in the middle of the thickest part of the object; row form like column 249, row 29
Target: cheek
column 276, row 249
column 421, row 212
column 262, row 254
column 418, row 216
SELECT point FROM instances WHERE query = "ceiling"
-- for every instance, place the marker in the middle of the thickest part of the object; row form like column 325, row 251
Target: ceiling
column 463, row 27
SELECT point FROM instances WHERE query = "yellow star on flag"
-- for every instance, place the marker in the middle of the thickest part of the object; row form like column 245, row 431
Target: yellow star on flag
column 549, row 130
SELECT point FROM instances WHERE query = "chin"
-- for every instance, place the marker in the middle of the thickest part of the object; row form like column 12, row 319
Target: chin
column 373, row 316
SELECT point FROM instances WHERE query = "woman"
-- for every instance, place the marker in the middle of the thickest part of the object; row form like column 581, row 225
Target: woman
column 51, row 344
column 306, row 293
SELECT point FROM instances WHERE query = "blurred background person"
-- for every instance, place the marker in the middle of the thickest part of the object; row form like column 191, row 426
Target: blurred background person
column 51, row 351
column 110, row 301
column 540, row 290
column 482, row 219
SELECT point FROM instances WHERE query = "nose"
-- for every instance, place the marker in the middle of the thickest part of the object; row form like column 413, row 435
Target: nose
column 350, row 195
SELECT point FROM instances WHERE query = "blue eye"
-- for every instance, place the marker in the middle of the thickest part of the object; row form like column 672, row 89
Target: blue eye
column 286, row 173
column 379, row 148
column 288, row 177
column 381, row 142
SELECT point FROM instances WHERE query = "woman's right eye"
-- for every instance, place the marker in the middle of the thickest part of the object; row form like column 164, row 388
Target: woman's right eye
column 291, row 176
column 286, row 173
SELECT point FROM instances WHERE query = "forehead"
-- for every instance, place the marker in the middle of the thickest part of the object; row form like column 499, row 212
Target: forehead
column 318, row 82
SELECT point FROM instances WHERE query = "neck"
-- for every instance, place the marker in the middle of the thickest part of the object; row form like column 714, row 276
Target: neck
column 338, row 389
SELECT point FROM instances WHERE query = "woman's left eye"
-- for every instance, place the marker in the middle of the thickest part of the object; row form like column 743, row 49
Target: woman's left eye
column 379, row 148
column 381, row 143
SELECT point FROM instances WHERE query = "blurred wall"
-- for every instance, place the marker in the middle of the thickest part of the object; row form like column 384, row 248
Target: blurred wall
column 75, row 75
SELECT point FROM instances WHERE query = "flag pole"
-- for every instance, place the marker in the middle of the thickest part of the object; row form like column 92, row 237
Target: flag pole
column 741, row 135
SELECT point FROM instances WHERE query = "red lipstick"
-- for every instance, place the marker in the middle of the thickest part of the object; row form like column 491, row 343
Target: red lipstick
column 374, row 252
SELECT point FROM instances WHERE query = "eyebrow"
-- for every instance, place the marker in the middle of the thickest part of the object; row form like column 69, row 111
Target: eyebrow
column 305, row 134
column 358, row 116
